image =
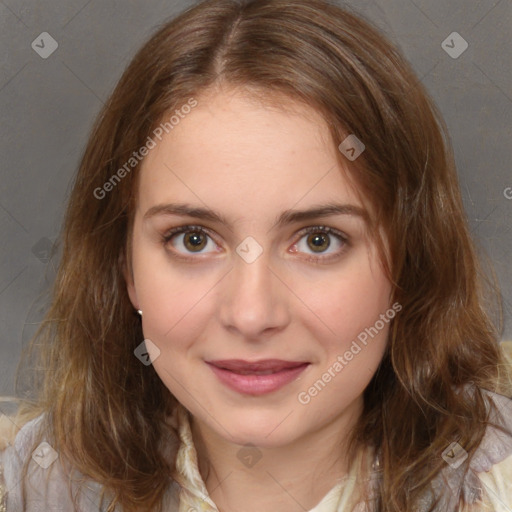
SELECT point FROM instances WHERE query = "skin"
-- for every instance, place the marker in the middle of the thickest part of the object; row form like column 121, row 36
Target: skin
column 250, row 162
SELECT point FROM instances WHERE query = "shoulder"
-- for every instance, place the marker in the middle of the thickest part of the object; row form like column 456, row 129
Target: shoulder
column 496, row 485
column 487, row 485
column 492, row 462
column 46, row 485
column 485, row 481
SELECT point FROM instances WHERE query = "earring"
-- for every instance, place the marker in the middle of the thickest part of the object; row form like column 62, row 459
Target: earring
column 139, row 311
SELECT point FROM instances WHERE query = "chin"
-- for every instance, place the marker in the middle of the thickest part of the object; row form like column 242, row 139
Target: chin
column 266, row 429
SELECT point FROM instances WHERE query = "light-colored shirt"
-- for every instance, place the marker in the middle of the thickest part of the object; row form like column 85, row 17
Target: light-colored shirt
column 49, row 488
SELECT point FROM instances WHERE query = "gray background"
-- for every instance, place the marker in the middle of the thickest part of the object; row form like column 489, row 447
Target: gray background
column 48, row 106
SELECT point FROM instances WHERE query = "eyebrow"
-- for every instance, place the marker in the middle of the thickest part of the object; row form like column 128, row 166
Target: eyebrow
column 286, row 217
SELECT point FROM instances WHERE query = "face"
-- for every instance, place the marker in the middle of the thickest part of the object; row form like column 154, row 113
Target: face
column 229, row 272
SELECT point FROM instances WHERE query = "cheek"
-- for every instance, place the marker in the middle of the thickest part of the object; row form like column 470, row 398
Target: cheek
column 351, row 360
column 342, row 307
column 174, row 315
column 172, row 318
column 174, row 302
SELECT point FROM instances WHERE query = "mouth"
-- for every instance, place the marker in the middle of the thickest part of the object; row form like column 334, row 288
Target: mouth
column 259, row 377
column 262, row 367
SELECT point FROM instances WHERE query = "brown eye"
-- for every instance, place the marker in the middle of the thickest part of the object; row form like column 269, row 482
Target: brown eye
column 318, row 242
column 189, row 240
column 327, row 243
column 194, row 241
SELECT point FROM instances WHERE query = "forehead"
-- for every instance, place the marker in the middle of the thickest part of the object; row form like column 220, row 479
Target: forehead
column 238, row 155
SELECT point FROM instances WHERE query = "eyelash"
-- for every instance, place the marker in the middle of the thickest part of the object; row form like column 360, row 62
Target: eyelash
column 166, row 238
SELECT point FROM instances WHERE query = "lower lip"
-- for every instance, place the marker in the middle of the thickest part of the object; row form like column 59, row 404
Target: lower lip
column 257, row 384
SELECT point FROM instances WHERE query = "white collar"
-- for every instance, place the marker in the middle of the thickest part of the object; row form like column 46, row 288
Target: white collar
column 194, row 495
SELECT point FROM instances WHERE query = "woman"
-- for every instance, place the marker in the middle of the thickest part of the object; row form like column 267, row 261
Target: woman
column 268, row 296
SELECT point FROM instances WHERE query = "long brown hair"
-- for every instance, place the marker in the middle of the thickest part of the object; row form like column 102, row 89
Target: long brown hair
column 107, row 412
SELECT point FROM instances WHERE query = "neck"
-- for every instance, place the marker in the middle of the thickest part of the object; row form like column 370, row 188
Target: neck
column 289, row 478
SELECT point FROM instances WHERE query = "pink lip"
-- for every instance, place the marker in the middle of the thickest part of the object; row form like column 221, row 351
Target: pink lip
column 237, row 365
column 254, row 383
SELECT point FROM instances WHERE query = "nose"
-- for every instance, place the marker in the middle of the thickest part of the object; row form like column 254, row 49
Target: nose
column 254, row 301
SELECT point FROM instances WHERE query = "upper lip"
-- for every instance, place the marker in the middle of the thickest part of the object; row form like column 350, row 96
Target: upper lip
column 262, row 365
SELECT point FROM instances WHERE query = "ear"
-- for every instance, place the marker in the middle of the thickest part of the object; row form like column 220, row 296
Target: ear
column 128, row 277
